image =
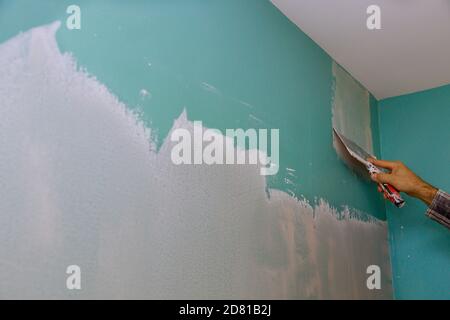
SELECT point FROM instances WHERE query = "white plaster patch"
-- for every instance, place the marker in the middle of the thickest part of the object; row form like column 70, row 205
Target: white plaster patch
column 82, row 185
column 143, row 93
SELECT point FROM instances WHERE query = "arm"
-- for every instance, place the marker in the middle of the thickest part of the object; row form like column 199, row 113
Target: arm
column 404, row 180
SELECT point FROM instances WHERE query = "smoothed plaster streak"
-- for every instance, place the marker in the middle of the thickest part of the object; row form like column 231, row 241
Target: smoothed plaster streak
column 351, row 108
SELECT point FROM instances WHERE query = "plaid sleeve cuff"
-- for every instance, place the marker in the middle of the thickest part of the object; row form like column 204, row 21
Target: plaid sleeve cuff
column 439, row 209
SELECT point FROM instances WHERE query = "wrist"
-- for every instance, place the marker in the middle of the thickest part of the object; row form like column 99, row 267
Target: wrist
column 425, row 192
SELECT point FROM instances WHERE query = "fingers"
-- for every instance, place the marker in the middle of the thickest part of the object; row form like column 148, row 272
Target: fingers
column 382, row 177
column 383, row 163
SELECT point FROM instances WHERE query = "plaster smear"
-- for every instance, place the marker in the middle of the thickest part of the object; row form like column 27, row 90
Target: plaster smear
column 81, row 184
column 351, row 108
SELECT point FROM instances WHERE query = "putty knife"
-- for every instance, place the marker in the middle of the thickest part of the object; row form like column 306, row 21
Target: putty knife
column 356, row 158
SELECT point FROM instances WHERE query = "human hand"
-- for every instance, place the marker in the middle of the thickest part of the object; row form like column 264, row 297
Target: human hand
column 404, row 180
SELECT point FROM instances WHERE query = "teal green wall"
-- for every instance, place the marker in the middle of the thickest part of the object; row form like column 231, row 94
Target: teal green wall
column 415, row 129
column 248, row 50
column 252, row 53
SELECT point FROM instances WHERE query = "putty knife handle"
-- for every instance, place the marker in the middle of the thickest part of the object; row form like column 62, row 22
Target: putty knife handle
column 389, row 191
column 392, row 194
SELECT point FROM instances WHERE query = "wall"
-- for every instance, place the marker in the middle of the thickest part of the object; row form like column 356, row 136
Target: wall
column 414, row 128
column 98, row 185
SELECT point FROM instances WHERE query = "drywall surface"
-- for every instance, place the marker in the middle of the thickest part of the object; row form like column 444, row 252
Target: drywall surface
column 95, row 184
column 415, row 129
column 83, row 185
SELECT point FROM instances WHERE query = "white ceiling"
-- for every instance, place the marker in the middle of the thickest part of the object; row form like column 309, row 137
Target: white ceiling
column 410, row 53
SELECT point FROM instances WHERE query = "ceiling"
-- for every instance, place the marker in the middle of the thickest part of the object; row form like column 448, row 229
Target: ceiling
column 410, row 53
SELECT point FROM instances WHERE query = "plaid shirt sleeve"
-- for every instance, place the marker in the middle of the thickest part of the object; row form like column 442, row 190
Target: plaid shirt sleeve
column 439, row 209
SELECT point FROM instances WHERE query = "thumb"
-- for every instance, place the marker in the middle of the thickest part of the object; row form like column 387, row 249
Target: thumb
column 382, row 178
